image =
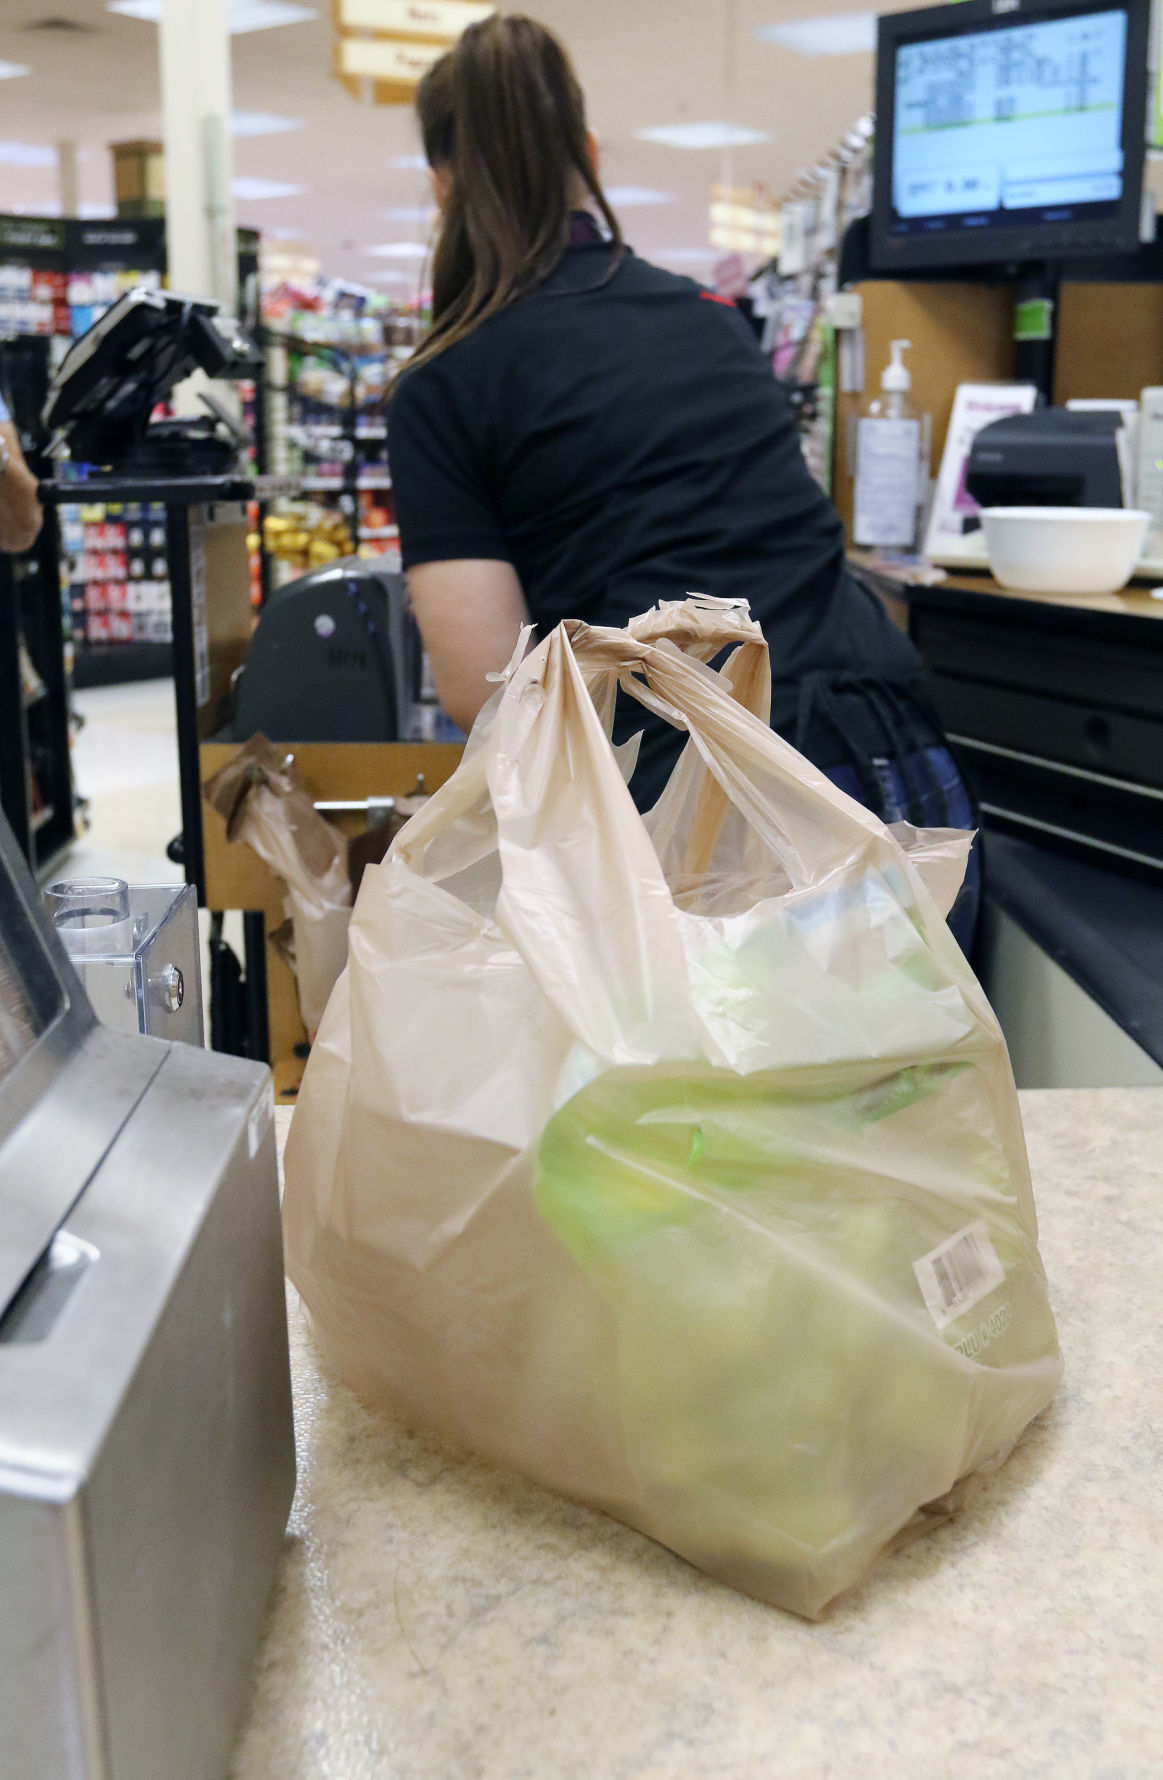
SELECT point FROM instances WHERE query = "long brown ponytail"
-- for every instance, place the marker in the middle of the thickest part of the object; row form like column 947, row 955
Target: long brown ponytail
column 504, row 115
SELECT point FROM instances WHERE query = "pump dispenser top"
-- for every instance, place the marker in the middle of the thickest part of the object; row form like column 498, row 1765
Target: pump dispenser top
column 895, row 376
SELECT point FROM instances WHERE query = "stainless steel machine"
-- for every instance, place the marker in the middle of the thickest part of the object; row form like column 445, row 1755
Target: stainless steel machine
column 146, row 1453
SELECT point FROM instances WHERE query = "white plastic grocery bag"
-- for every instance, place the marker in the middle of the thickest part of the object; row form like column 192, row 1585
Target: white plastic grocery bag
column 676, row 1163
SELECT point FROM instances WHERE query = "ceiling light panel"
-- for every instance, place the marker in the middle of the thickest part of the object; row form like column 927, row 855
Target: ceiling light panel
column 411, row 213
column 399, row 250
column 409, row 163
column 262, row 123
column 13, row 70
column 631, row 197
column 684, row 256
column 703, row 135
column 841, row 34
column 27, row 154
column 242, row 16
column 264, row 15
column 247, row 189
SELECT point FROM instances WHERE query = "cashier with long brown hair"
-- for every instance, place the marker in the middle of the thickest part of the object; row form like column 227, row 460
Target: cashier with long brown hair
column 583, row 434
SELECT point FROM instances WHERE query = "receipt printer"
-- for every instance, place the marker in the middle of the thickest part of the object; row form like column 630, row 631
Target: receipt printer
column 1054, row 457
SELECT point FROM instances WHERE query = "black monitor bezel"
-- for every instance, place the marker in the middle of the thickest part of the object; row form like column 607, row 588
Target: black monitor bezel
column 112, row 378
column 1026, row 243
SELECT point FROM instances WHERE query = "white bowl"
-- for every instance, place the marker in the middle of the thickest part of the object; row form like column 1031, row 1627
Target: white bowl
column 1071, row 550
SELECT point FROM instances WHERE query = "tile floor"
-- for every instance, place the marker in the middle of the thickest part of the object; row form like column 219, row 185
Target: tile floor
column 125, row 762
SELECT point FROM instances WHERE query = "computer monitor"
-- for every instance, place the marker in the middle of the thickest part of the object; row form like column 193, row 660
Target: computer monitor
column 112, row 378
column 1009, row 131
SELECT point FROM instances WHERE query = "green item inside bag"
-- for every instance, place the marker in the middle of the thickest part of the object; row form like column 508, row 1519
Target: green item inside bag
column 776, row 1353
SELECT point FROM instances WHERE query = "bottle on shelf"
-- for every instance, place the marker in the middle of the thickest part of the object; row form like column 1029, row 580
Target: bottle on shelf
column 891, row 483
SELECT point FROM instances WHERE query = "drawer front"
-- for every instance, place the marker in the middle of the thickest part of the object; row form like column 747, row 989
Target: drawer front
column 1112, row 820
column 1059, row 663
column 1099, row 740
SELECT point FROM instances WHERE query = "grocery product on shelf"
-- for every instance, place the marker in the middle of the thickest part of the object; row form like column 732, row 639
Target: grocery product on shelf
column 115, row 573
column 303, row 534
column 793, row 296
column 57, row 278
column 334, row 348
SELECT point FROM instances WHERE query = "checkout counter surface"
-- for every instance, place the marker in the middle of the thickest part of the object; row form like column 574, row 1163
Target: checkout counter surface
column 439, row 1617
column 1135, row 601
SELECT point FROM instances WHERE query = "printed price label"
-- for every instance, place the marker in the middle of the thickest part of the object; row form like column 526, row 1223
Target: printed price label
column 958, row 1274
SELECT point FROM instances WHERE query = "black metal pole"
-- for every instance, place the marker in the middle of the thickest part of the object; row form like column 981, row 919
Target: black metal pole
column 15, row 798
column 48, row 620
column 350, row 498
column 1036, row 327
column 254, row 948
column 262, row 456
column 182, row 539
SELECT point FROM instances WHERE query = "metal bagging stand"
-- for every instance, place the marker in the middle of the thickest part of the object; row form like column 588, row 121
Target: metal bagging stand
column 99, row 411
column 210, row 593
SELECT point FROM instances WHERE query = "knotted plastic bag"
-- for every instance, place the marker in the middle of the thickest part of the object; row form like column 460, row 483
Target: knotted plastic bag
column 677, row 1162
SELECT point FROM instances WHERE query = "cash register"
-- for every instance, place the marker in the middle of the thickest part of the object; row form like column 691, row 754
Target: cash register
column 1054, row 457
column 146, row 1453
column 101, row 404
column 1079, row 456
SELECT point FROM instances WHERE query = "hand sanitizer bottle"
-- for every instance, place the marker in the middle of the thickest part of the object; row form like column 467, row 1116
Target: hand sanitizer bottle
column 888, row 458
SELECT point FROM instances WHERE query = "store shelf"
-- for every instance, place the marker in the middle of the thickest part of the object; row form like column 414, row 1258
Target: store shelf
column 114, row 664
column 337, row 484
column 183, row 491
column 307, row 430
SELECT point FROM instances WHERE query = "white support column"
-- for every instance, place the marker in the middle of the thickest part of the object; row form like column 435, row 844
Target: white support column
column 68, row 176
column 195, row 76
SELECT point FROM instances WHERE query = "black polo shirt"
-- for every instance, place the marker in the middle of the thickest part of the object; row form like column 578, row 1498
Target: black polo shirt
column 620, row 440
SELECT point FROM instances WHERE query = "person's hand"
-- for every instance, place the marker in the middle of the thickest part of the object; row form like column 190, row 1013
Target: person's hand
column 20, row 514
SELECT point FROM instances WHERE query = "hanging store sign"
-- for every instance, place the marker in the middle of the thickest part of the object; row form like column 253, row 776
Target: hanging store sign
column 370, row 58
column 383, row 48
column 440, row 20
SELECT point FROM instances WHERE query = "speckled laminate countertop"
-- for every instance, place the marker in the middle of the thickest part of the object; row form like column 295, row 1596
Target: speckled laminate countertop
column 438, row 1619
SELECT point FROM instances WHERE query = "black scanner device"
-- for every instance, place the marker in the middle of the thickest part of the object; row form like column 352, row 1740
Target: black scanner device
column 336, row 657
column 1054, row 457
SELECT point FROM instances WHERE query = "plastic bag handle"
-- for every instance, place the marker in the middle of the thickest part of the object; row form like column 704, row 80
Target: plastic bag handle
column 735, row 743
column 583, row 895
column 700, row 625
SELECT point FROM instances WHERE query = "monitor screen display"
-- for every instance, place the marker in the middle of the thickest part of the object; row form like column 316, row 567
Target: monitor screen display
column 1011, row 137
column 1027, row 119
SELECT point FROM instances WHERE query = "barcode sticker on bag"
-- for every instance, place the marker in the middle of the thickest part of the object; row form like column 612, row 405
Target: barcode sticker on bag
column 958, row 1274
